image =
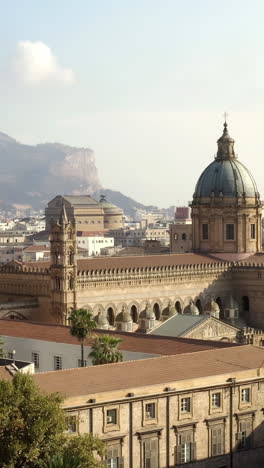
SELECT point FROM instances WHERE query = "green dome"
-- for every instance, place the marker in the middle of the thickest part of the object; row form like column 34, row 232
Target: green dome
column 226, row 176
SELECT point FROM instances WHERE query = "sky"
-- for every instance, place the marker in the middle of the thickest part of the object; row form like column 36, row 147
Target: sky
column 143, row 83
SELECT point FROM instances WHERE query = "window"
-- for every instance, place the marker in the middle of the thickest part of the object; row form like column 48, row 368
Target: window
column 113, row 458
column 244, row 434
column 205, row 231
column 186, row 405
column 35, row 359
column 80, row 363
column 245, row 395
column 150, row 453
column 230, row 231
column 175, row 236
column 253, row 231
column 185, row 450
column 71, row 423
column 217, row 440
column 111, row 416
column 184, row 236
column 57, row 362
column 216, row 400
column 150, row 410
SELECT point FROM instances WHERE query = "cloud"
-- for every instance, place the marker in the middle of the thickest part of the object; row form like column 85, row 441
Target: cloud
column 34, row 64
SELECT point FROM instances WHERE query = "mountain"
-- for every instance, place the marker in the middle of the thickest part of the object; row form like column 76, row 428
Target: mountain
column 126, row 203
column 32, row 175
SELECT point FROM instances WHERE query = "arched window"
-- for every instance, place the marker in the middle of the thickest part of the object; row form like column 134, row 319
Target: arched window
column 178, row 307
column 199, row 305
column 110, row 316
column 184, row 236
column 57, row 283
column 245, row 308
column 70, row 257
column 134, row 313
column 156, row 310
column 70, row 282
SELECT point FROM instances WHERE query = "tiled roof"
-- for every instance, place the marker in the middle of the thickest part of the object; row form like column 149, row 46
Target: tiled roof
column 37, row 248
column 144, row 261
column 154, row 371
column 5, row 374
column 131, row 341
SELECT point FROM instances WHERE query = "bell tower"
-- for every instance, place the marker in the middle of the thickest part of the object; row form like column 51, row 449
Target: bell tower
column 63, row 267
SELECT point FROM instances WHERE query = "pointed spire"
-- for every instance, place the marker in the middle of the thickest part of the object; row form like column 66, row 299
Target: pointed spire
column 225, row 145
column 63, row 215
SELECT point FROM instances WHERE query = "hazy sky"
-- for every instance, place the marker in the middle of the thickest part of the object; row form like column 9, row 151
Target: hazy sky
column 144, row 83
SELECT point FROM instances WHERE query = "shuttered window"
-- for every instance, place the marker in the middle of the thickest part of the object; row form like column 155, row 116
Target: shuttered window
column 150, row 453
column 217, row 440
column 185, row 450
column 244, row 435
column 113, row 457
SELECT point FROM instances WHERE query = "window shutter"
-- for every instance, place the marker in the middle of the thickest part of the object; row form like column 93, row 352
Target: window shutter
column 121, row 462
column 178, row 454
column 193, row 451
column 154, row 453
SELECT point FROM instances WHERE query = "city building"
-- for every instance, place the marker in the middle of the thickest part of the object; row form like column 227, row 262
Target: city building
column 52, row 347
column 169, row 411
column 93, row 242
column 144, row 285
column 85, row 212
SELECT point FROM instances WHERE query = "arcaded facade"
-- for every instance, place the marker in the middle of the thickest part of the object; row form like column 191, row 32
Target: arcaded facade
column 134, row 293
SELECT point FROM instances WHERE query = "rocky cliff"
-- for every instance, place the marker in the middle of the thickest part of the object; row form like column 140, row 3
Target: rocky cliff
column 32, row 175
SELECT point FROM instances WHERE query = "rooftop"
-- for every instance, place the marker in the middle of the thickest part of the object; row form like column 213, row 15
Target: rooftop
column 131, row 341
column 154, row 371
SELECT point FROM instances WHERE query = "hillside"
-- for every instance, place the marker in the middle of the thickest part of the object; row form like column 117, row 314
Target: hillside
column 32, row 175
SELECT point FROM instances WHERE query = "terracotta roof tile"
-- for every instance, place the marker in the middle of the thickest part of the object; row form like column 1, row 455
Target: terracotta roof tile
column 131, row 341
column 160, row 370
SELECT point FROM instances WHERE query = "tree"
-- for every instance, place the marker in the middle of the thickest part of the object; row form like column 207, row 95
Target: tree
column 32, row 424
column 89, row 449
column 82, row 324
column 61, row 461
column 105, row 350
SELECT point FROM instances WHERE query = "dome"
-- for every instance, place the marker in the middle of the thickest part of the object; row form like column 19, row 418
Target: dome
column 170, row 311
column 231, row 303
column 148, row 313
column 124, row 316
column 212, row 306
column 101, row 320
column 109, row 207
column 226, row 176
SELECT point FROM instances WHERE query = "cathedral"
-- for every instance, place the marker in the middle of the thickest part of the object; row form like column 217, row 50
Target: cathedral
column 222, row 276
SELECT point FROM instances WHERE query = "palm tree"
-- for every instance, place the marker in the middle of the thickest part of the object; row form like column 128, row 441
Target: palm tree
column 61, row 461
column 104, row 350
column 82, row 324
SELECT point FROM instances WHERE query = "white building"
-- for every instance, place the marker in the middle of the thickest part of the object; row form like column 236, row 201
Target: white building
column 94, row 243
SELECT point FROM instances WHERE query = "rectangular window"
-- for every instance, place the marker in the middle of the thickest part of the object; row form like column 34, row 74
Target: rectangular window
column 113, row 458
column 216, row 400
column 185, row 450
column 35, row 359
column 230, row 231
column 253, row 231
column 205, row 231
column 244, row 434
column 57, row 362
column 150, row 453
column 186, row 405
column 150, row 410
column 111, row 416
column 80, row 363
column 245, row 395
column 71, row 423
column 217, row 440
